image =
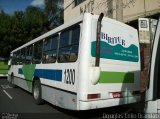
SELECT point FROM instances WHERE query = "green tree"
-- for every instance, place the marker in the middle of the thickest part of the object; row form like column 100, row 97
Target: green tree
column 20, row 28
column 5, row 29
column 17, row 28
column 34, row 20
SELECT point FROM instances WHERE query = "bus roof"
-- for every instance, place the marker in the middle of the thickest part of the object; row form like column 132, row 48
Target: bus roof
column 77, row 20
column 56, row 30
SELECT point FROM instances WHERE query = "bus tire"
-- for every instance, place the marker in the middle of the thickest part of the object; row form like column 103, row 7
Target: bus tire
column 37, row 92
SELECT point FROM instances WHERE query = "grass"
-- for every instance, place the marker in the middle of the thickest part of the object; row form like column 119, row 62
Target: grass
column 3, row 67
column 3, row 71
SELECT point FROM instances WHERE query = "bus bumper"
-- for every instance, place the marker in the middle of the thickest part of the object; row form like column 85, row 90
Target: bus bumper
column 103, row 103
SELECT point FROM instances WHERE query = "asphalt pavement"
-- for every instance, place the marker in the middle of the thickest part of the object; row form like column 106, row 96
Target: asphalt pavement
column 16, row 103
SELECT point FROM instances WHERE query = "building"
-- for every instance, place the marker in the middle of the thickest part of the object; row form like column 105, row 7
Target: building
column 127, row 11
column 122, row 10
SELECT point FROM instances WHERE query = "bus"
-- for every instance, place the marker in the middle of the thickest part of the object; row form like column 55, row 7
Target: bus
column 91, row 62
column 152, row 97
column 3, row 67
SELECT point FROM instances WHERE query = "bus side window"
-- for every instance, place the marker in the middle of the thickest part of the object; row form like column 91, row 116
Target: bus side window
column 29, row 51
column 63, row 48
column 50, row 49
column 14, row 62
column 37, row 54
column 18, row 57
column 69, row 43
column 74, row 44
column 23, row 57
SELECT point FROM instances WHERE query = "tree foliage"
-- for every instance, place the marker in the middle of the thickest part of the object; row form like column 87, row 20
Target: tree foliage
column 23, row 26
column 20, row 28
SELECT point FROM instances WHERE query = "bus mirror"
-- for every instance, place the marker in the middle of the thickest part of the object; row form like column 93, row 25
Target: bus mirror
column 94, row 75
column 9, row 62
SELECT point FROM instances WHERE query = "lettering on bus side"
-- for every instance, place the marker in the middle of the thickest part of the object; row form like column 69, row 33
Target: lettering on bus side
column 69, row 76
column 113, row 40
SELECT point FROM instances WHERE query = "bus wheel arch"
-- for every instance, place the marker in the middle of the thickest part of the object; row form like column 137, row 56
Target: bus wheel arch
column 36, row 90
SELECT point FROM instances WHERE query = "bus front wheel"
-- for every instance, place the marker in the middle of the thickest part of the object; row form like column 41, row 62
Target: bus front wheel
column 37, row 92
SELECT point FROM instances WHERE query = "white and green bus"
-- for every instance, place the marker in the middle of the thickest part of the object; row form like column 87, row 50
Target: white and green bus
column 152, row 99
column 91, row 62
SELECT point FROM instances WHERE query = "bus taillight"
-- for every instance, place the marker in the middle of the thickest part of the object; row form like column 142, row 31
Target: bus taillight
column 93, row 96
column 117, row 95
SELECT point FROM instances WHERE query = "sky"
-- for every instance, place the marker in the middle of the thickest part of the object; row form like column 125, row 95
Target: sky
column 10, row 6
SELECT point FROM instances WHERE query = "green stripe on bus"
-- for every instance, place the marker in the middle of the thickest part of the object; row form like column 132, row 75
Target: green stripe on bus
column 28, row 71
column 116, row 77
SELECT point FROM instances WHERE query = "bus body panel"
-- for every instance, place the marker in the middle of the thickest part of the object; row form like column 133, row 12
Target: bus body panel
column 61, row 98
column 151, row 107
column 56, row 92
column 69, row 85
column 158, row 105
column 152, row 97
column 84, row 58
column 127, row 68
column 62, row 93
column 95, row 104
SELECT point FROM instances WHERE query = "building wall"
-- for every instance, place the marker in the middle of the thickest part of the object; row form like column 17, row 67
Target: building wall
column 145, row 60
column 128, row 9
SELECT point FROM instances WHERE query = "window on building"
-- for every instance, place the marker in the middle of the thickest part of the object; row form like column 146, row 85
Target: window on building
column 69, row 43
column 50, row 49
column 37, row 52
column 77, row 2
column 29, row 52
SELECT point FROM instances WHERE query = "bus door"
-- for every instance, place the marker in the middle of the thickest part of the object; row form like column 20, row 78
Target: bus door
column 153, row 91
column 156, row 86
column 156, row 76
column 157, row 83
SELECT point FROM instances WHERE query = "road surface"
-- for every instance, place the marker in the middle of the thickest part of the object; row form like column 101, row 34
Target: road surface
column 16, row 103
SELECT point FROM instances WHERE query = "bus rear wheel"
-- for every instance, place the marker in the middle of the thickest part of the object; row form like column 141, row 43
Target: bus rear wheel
column 37, row 92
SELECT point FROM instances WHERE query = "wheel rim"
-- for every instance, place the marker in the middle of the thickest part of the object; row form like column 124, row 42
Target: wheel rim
column 36, row 92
